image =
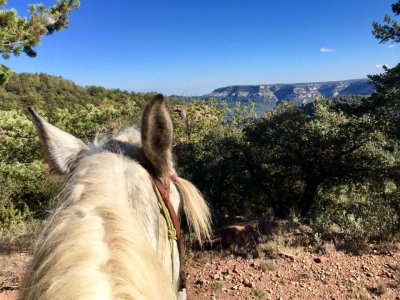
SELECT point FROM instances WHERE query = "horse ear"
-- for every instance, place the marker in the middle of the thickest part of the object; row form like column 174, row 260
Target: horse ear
column 157, row 135
column 61, row 147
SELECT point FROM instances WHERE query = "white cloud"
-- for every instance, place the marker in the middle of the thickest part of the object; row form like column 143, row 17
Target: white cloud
column 380, row 66
column 326, row 50
column 390, row 46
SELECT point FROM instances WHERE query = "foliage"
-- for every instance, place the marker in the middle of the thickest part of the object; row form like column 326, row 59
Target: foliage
column 308, row 151
column 48, row 93
column 363, row 212
column 385, row 101
column 20, row 34
column 327, row 162
column 391, row 29
column 349, row 104
column 5, row 74
column 22, row 182
column 214, row 158
column 11, row 217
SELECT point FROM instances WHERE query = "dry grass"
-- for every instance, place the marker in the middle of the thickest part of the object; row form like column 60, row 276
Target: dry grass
column 267, row 266
column 280, row 244
column 259, row 293
column 328, row 248
column 203, row 257
column 20, row 238
column 217, row 285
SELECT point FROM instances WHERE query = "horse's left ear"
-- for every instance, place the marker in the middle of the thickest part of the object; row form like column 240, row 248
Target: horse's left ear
column 157, row 135
column 62, row 148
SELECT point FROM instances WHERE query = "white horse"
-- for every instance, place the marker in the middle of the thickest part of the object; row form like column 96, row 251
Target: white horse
column 109, row 238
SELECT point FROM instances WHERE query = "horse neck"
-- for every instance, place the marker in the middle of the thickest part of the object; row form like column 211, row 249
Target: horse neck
column 112, row 218
column 111, row 180
column 130, row 186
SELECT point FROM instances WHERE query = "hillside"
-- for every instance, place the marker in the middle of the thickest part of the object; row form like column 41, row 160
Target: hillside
column 269, row 96
column 47, row 92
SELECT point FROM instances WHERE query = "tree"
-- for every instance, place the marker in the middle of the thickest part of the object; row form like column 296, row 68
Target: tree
column 298, row 153
column 385, row 101
column 5, row 73
column 19, row 34
column 391, row 29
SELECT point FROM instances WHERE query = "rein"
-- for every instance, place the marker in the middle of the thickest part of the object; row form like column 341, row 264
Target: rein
column 174, row 229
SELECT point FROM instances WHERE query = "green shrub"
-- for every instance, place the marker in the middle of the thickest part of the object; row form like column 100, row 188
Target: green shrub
column 10, row 217
column 363, row 212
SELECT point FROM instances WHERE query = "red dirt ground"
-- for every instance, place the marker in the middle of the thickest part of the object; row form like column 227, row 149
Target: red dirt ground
column 333, row 276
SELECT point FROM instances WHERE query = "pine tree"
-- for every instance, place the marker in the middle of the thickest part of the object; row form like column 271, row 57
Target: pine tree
column 391, row 29
column 19, row 34
column 386, row 99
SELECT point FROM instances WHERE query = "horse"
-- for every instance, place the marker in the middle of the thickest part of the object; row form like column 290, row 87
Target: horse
column 109, row 237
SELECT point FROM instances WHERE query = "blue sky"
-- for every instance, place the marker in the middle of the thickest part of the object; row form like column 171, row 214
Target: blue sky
column 192, row 47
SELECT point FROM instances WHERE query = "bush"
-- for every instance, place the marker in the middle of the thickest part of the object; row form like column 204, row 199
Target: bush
column 10, row 217
column 364, row 213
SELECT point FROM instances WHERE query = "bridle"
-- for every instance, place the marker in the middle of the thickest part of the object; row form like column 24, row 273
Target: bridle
column 174, row 228
column 167, row 209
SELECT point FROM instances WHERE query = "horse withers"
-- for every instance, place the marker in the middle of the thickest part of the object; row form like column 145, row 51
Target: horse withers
column 109, row 239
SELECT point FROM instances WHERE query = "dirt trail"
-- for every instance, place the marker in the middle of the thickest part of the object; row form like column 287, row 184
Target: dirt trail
column 306, row 276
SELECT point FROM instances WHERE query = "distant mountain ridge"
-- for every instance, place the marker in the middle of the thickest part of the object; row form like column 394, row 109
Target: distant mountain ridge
column 269, row 96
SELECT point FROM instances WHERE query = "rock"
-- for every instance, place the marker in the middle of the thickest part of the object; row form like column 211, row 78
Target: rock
column 199, row 281
column 248, row 283
column 317, row 260
column 287, row 256
column 216, row 276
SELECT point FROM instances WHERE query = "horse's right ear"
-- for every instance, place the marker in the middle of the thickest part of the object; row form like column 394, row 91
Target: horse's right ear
column 62, row 148
column 157, row 135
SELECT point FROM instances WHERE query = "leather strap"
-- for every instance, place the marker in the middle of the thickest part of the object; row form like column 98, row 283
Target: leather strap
column 165, row 194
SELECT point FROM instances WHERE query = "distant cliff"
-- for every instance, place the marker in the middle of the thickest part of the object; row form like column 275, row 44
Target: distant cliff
column 269, row 96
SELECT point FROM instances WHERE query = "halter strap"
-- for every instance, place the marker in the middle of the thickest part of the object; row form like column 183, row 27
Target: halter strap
column 174, row 227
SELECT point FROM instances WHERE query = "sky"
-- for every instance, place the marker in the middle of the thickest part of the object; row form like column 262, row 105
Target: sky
column 190, row 48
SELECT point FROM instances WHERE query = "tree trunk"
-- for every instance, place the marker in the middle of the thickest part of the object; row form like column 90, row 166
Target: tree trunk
column 308, row 198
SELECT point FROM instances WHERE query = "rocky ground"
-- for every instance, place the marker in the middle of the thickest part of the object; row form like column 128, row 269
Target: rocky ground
column 12, row 266
column 211, row 275
column 304, row 276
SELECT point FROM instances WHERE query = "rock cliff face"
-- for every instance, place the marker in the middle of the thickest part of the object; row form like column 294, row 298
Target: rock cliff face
column 271, row 95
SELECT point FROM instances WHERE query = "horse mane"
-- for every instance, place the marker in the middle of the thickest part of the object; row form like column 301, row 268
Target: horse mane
column 95, row 245
column 92, row 247
column 196, row 209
